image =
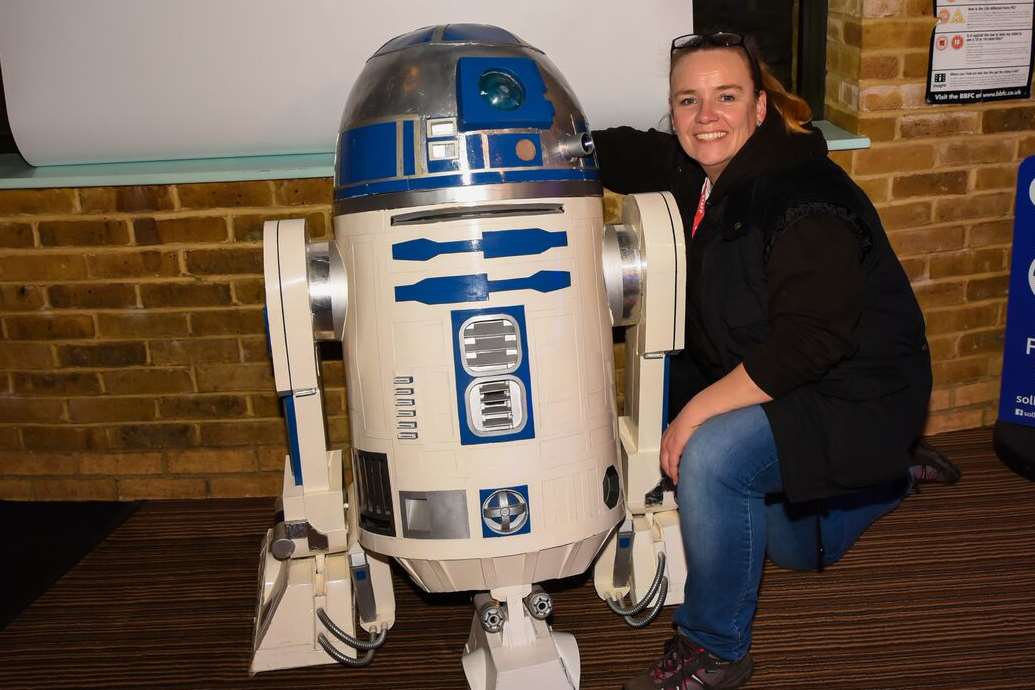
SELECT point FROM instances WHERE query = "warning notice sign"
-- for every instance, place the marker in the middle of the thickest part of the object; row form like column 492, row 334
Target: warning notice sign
column 981, row 51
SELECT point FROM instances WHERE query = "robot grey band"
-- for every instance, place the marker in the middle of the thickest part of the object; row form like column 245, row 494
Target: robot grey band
column 474, row 286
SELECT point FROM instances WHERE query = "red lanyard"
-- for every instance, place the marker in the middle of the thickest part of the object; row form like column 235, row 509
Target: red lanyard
column 699, row 215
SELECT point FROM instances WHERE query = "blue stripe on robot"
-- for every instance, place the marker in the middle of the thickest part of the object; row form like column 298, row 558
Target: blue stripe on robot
column 505, row 512
column 475, row 155
column 409, row 154
column 493, row 244
column 417, row 184
column 477, row 287
column 295, row 453
column 367, row 153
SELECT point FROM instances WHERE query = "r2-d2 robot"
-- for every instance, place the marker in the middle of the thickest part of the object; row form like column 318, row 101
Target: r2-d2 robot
column 474, row 290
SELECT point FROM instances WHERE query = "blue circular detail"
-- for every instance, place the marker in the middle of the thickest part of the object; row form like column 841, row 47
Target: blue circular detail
column 505, row 511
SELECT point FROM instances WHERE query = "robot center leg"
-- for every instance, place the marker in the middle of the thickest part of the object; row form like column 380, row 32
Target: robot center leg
column 512, row 647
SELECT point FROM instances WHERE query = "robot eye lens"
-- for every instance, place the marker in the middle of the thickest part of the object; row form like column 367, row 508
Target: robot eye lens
column 501, row 90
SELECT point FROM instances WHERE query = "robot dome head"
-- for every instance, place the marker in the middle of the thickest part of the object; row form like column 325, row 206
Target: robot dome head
column 460, row 113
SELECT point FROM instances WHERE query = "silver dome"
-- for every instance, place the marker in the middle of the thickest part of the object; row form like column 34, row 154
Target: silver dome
column 460, row 112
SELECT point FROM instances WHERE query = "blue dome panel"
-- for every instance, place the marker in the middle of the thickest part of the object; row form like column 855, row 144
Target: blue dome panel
column 479, row 33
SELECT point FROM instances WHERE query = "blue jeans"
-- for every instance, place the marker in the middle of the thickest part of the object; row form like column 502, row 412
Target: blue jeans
column 727, row 471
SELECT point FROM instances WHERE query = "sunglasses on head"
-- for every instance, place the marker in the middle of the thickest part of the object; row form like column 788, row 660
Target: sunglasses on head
column 719, row 39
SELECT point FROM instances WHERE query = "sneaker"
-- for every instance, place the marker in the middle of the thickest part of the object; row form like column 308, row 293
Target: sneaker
column 930, row 466
column 686, row 666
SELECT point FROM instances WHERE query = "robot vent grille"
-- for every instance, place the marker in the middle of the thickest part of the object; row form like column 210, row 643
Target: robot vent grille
column 491, row 346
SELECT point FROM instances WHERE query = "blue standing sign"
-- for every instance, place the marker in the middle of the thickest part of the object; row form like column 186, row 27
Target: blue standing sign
column 1015, row 430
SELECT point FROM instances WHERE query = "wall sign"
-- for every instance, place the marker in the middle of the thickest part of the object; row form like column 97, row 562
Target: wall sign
column 980, row 51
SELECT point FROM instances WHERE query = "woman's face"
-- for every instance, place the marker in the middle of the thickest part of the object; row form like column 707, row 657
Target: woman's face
column 714, row 108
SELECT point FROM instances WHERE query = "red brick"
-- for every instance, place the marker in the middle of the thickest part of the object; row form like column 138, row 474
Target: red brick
column 225, row 261
column 270, row 406
column 15, row 490
column 914, row 65
column 968, row 263
column 43, row 266
column 187, row 229
column 975, row 393
column 206, row 461
column 72, row 326
column 246, row 485
column 63, row 438
column 930, row 184
column 996, row 232
column 116, row 464
column 255, row 349
column 996, row 177
column 960, row 370
column 103, row 355
column 127, row 199
column 203, row 407
column 908, row 215
column 25, row 356
column 981, row 342
column 37, row 464
column 915, row 268
column 304, row 191
column 227, row 322
column 272, row 458
column 109, row 409
column 338, row 431
column 137, row 489
column 250, row 291
column 962, row 319
column 932, row 295
column 194, row 350
column 1009, row 120
column 147, row 436
column 93, row 296
column 973, row 206
column 879, row 67
column 987, row 288
column 894, row 158
column 21, row 298
column 881, row 97
column 242, row 433
column 18, row 409
column 235, row 377
column 225, row 194
column 83, row 233
column 136, row 264
column 77, row 489
column 140, row 381
column 878, row 129
column 16, row 235
column 142, row 325
column 927, row 240
column 881, row 8
column 896, row 35
column 975, row 150
column 938, row 124
column 18, row 201
column 185, row 294
column 50, row 383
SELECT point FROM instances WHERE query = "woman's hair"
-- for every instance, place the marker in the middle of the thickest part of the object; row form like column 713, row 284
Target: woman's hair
column 794, row 111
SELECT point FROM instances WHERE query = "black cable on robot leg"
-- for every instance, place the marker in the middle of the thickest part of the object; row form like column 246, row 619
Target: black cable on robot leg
column 355, row 643
column 338, row 656
column 638, row 607
column 654, row 611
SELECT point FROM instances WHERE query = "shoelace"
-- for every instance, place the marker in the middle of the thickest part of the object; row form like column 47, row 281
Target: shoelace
column 677, row 655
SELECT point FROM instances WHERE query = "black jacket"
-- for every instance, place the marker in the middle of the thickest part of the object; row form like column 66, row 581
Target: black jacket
column 791, row 274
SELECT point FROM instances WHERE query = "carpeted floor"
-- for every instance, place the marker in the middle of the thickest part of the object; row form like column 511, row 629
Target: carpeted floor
column 939, row 594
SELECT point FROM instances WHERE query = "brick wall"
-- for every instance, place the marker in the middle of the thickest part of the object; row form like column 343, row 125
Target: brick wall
column 132, row 357
column 943, row 180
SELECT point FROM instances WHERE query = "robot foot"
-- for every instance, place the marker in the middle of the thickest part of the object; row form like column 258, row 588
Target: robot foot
column 511, row 646
column 291, row 592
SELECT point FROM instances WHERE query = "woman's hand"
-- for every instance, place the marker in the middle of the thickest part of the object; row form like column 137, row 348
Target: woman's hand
column 674, row 440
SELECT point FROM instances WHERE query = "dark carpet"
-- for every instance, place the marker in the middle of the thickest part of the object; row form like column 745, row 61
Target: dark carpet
column 938, row 594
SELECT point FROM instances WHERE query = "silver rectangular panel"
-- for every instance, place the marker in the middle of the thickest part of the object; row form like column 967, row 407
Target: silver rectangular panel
column 434, row 514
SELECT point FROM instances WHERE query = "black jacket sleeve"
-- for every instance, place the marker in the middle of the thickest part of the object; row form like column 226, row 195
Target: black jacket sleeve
column 815, row 290
column 633, row 161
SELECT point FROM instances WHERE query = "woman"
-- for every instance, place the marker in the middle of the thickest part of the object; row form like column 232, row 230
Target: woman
column 806, row 373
